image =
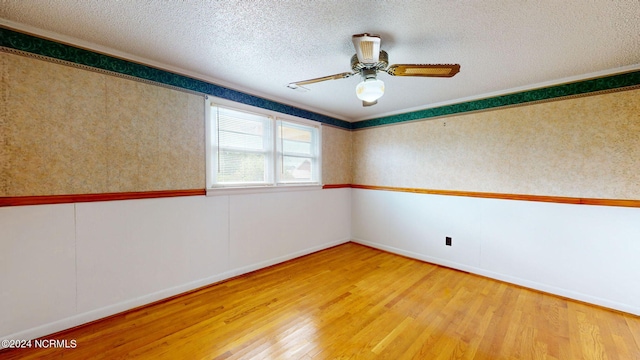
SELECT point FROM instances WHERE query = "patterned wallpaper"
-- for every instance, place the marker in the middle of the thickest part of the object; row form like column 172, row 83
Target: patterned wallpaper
column 18, row 41
column 69, row 130
column 336, row 155
column 27, row 43
column 72, row 131
column 584, row 147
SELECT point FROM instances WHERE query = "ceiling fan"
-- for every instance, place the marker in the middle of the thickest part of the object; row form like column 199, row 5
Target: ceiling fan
column 369, row 60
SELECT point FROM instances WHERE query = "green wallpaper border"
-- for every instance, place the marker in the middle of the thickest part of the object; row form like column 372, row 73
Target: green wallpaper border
column 28, row 43
column 578, row 88
column 32, row 44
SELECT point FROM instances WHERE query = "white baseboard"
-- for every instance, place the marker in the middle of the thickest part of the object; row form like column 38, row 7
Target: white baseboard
column 506, row 278
column 83, row 318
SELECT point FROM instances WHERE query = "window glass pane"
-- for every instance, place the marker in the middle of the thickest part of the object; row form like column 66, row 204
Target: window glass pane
column 296, row 169
column 241, row 130
column 296, row 138
column 295, row 133
column 298, row 147
column 297, row 152
column 235, row 167
column 240, row 140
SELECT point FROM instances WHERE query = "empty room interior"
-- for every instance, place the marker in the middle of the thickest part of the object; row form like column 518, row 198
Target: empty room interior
column 320, row 180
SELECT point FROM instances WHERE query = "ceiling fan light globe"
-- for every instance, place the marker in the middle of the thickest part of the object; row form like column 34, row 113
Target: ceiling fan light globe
column 370, row 90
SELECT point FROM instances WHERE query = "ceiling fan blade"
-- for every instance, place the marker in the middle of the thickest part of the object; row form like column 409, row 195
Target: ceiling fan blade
column 367, row 47
column 369, row 103
column 297, row 84
column 426, row 70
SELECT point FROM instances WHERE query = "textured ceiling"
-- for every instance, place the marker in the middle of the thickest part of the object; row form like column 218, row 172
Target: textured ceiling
column 259, row 46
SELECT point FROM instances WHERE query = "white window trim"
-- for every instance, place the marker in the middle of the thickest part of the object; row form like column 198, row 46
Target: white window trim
column 268, row 150
column 212, row 189
column 279, row 153
column 261, row 189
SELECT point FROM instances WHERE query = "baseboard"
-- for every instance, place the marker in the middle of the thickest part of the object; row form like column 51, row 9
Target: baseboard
column 93, row 315
column 626, row 308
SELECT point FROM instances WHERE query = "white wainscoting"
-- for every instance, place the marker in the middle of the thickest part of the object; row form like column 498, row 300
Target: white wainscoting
column 64, row 265
column 37, row 266
column 584, row 252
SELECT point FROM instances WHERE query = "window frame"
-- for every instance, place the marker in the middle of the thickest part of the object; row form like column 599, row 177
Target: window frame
column 267, row 149
column 273, row 183
column 280, row 152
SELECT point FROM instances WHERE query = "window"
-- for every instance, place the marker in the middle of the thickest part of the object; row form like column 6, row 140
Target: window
column 243, row 148
column 250, row 149
column 297, row 152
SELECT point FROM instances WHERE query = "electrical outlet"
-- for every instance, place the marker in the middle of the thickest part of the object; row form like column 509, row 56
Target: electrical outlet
column 447, row 241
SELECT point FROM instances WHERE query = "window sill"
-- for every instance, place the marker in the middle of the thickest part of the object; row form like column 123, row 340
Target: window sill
column 261, row 189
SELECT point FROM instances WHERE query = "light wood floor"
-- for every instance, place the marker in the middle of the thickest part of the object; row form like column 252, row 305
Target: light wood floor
column 354, row 302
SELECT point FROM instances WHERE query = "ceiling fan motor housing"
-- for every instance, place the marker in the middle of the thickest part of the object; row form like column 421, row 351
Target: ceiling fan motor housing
column 367, row 47
column 359, row 67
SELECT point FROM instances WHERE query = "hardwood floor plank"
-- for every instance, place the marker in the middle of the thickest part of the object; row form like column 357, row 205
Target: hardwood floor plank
column 355, row 302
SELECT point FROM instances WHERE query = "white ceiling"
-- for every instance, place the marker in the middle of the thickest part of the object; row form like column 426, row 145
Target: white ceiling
column 259, row 46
